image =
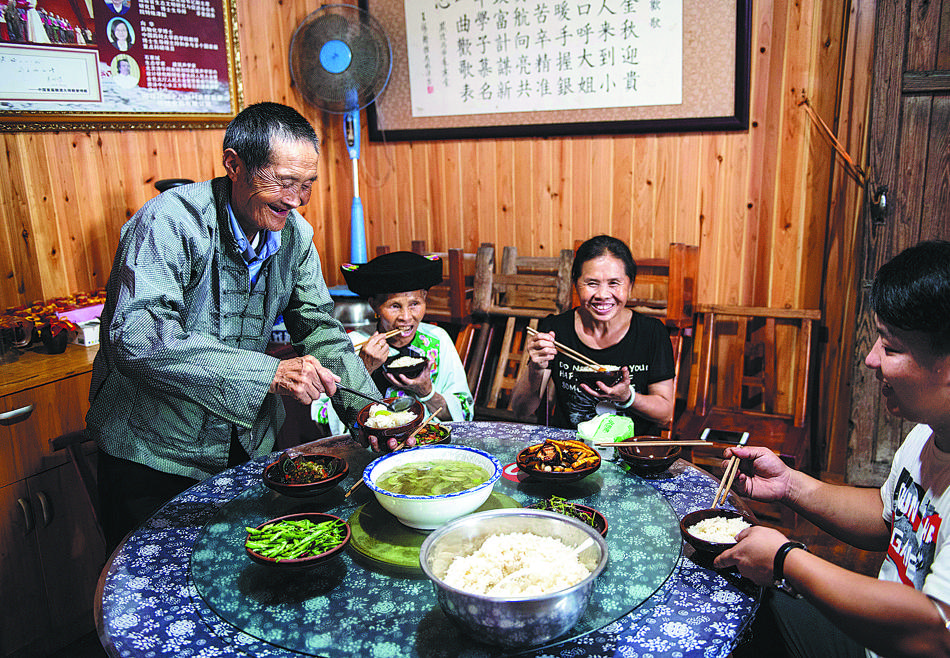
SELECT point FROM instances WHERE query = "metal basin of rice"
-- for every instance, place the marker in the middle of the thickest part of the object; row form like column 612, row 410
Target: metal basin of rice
column 512, row 621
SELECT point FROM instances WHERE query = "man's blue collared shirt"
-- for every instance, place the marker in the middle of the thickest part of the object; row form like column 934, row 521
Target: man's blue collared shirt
column 254, row 259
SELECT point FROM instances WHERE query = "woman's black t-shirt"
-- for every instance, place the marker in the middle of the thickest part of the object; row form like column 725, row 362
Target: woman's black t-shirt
column 645, row 350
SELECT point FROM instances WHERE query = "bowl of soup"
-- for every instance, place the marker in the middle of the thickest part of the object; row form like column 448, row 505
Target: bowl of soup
column 429, row 486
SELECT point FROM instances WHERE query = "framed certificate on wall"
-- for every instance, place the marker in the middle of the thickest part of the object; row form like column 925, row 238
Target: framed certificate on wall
column 93, row 64
column 476, row 68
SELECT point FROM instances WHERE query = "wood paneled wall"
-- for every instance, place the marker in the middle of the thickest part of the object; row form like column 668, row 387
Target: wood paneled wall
column 775, row 220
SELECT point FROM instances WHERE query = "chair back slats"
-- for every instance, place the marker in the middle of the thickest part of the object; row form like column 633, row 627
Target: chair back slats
column 754, row 373
column 523, row 286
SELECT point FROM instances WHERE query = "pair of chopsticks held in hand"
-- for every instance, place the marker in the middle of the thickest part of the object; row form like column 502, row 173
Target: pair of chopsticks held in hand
column 389, row 334
column 568, row 352
column 732, row 468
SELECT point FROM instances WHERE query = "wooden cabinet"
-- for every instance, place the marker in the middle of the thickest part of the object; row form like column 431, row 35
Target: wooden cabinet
column 51, row 551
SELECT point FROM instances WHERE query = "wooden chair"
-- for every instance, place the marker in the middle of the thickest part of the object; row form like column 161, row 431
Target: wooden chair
column 451, row 300
column 525, row 286
column 755, row 373
column 525, row 289
column 72, row 443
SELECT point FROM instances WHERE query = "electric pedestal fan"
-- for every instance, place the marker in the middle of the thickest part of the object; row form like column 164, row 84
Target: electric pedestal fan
column 340, row 60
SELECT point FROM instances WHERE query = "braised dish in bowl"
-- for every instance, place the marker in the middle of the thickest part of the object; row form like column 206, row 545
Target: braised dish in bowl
column 559, row 460
column 713, row 530
column 374, row 419
column 301, row 476
column 297, row 541
column 648, row 460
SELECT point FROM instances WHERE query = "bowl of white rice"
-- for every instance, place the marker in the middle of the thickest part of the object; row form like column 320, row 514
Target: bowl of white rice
column 406, row 365
column 510, row 577
column 713, row 530
column 377, row 420
column 428, row 486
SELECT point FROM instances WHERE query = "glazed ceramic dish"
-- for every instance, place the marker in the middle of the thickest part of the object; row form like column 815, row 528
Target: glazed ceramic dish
column 301, row 564
column 648, row 460
column 411, row 370
column 275, row 475
column 554, row 476
column 400, row 433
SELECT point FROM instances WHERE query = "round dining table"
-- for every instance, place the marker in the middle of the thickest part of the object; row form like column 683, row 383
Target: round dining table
column 182, row 585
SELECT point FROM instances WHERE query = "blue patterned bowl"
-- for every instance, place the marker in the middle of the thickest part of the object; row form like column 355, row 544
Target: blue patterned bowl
column 430, row 512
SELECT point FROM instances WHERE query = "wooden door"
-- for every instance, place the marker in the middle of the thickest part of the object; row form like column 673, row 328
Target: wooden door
column 909, row 154
column 24, row 616
column 71, row 550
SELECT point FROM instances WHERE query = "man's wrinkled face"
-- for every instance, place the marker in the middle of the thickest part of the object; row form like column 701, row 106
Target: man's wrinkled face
column 263, row 201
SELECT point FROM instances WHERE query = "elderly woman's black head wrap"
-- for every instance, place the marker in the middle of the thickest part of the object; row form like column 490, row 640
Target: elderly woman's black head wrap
column 398, row 271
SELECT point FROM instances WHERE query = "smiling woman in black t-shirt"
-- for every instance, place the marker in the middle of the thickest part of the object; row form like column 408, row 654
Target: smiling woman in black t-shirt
column 605, row 330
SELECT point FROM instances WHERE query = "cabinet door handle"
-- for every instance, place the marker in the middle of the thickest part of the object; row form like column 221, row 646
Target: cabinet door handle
column 16, row 416
column 46, row 507
column 27, row 514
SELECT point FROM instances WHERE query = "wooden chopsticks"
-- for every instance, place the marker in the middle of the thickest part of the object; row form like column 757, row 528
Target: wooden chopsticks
column 388, row 334
column 732, row 468
column 567, row 351
column 650, row 444
column 418, row 429
column 356, row 485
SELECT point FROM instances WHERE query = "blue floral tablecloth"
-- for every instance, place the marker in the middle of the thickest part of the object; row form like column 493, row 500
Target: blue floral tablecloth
column 151, row 607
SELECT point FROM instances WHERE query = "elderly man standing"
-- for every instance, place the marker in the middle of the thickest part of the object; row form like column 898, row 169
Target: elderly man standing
column 181, row 387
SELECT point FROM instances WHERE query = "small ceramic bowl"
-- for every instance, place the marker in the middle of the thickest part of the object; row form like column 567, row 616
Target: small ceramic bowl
column 649, row 460
column 597, row 520
column 411, row 371
column 275, row 476
column 434, row 433
column 554, row 476
column 303, row 563
column 591, row 377
column 702, row 545
column 384, row 434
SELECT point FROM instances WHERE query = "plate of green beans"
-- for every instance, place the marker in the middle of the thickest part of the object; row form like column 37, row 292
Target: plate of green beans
column 297, row 541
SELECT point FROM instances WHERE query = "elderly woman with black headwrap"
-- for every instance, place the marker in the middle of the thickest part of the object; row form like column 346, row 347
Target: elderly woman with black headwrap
column 396, row 285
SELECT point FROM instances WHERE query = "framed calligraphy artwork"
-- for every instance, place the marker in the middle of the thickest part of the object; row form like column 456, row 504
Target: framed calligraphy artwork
column 480, row 68
column 118, row 64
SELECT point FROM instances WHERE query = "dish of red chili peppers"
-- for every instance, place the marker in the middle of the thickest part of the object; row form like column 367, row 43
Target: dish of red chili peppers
column 305, row 475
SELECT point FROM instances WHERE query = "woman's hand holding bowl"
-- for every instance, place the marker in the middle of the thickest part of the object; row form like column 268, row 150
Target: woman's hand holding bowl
column 390, row 444
column 419, row 386
column 618, row 393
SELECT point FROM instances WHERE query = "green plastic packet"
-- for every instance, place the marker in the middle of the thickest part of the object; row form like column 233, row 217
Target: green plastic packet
column 605, row 428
